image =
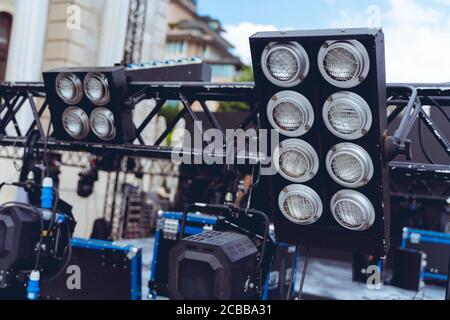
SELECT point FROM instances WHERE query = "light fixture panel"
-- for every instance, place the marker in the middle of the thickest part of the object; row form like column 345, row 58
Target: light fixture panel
column 353, row 89
column 97, row 87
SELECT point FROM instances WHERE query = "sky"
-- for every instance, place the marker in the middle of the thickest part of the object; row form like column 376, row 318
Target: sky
column 417, row 32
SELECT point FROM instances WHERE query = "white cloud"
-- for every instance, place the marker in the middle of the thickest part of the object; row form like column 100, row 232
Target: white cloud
column 239, row 35
column 417, row 40
column 443, row 2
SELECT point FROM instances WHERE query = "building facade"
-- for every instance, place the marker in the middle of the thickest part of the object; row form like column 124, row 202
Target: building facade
column 190, row 34
column 37, row 35
column 53, row 33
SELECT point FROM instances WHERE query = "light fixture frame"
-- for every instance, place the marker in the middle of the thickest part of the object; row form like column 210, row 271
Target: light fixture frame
column 103, row 80
column 307, row 151
column 358, row 50
column 327, row 233
column 84, row 119
column 358, row 199
column 361, row 107
column 303, row 191
column 298, row 52
column 301, row 102
column 78, row 88
column 109, row 118
column 361, row 155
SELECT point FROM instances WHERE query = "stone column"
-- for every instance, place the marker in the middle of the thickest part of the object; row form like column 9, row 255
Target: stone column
column 113, row 32
column 26, row 51
column 27, row 40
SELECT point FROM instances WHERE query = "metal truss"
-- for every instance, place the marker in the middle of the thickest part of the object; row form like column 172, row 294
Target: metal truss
column 15, row 96
column 12, row 96
column 408, row 103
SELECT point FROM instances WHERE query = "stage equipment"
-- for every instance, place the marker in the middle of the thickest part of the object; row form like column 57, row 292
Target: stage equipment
column 166, row 237
column 87, row 180
column 89, row 104
column 213, row 266
column 435, row 245
column 34, row 242
column 139, row 213
column 324, row 92
column 109, row 271
column 244, row 261
column 168, row 234
column 16, row 96
column 361, row 264
column 409, row 269
column 180, row 70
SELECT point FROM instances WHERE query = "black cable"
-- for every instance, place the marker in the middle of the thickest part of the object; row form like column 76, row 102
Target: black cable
column 47, row 167
column 265, row 239
column 305, row 269
column 422, row 145
column 67, row 260
column 437, row 105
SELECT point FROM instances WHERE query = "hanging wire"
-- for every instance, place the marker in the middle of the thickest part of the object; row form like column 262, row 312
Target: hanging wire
column 305, row 270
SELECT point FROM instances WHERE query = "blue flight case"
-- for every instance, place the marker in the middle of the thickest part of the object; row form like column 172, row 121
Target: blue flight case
column 109, row 271
column 436, row 245
column 167, row 233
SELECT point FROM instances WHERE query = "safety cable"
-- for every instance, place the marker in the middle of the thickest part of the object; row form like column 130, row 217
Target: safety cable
column 305, row 269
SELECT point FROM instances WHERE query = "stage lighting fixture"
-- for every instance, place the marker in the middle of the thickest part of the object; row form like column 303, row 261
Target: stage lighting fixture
column 96, row 88
column 88, row 104
column 347, row 115
column 300, row 204
column 349, row 165
column 285, row 64
column 213, row 265
column 102, row 124
column 69, row 87
column 331, row 186
column 345, row 63
column 352, row 210
column 296, row 160
column 76, row 122
column 290, row 113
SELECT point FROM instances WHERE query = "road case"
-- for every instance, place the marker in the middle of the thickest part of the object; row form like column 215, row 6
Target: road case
column 108, row 271
column 436, row 245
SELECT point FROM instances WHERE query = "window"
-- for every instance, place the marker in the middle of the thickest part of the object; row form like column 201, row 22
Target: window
column 5, row 32
column 210, row 54
column 176, row 48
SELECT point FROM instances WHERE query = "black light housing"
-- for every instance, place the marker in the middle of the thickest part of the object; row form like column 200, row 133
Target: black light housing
column 19, row 234
column 345, row 78
column 80, row 98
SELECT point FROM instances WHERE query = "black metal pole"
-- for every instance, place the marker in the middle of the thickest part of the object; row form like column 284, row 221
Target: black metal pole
column 447, row 293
